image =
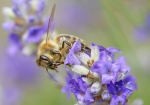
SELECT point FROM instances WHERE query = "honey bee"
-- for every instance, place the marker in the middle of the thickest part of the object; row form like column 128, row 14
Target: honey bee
column 52, row 53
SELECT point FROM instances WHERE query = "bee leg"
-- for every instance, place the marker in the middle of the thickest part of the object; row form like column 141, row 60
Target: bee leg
column 85, row 48
column 65, row 42
column 88, row 49
column 68, row 65
column 56, row 65
column 57, row 52
column 62, row 62
column 59, row 63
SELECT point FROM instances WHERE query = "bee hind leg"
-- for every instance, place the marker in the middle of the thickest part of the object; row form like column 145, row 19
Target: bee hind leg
column 67, row 43
column 85, row 48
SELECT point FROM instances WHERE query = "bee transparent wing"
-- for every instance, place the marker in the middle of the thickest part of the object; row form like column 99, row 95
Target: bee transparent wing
column 51, row 23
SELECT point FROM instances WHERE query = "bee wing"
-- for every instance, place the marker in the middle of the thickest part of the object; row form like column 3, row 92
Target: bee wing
column 51, row 22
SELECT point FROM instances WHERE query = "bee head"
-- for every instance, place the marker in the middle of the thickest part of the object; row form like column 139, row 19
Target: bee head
column 45, row 54
column 45, row 62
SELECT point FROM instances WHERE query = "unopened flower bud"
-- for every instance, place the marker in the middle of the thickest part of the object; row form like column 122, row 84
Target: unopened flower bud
column 84, row 58
column 95, row 53
column 105, row 95
column 80, row 70
column 8, row 12
column 96, row 87
column 122, row 75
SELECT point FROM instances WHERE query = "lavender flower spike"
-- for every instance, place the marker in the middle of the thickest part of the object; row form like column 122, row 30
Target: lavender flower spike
column 26, row 20
column 100, row 79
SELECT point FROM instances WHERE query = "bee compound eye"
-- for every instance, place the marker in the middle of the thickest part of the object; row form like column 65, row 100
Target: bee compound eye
column 42, row 57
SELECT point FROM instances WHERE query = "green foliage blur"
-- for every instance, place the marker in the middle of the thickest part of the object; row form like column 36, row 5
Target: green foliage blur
column 118, row 19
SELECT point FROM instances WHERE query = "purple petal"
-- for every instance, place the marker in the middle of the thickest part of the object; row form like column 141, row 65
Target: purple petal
column 103, row 57
column 88, row 98
column 101, row 48
column 18, row 2
column 14, row 38
column 113, row 49
column 83, row 86
column 16, row 11
column 131, row 82
column 111, row 88
column 8, row 25
column 16, row 44
column 33, row 19
column 106, row 78
column 100, row 67
column 127, row 93
column 125, row 68
column 71, row 57
column 79, row 97
column 114, row 100
column 122, row 99
column 41, row 5
column 115, row 67
column 121, row 60
column 67, row 90
column 35, row 34
column 12, row 50
column 76, row 46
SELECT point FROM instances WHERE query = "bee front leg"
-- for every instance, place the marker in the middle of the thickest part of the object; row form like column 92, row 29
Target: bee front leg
column 56, row 52
column 57, row 64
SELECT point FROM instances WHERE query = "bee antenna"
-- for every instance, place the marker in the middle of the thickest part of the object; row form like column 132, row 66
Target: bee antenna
column 51, row 75
column 50, row 22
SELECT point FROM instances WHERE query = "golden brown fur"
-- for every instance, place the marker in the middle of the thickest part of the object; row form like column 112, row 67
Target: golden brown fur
column 52, row 53
column 69, row 38
column 47, row 49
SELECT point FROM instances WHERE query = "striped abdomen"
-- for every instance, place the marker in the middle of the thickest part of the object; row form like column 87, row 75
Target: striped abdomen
column 69, row 38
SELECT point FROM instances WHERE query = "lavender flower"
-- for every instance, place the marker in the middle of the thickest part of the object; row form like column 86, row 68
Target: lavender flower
column 121, row 90
column 142, row 32
column 11, row 95
column 80, row 90
column 106, row 68
column 100, row 78
column 19, row 69
column 17, row 73
column 26, row 24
